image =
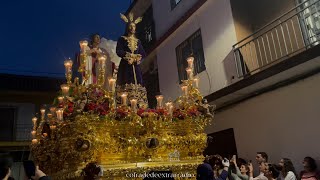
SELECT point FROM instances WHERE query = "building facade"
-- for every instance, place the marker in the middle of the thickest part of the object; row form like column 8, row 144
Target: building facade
column 258, row 62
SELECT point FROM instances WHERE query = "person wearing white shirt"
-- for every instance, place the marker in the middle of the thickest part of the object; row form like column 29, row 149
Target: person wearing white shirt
column 288, row 172
column 262, row 168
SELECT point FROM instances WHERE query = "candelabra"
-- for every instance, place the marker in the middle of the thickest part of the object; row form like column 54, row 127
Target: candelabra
column 68, row 66
column 83, row 56
column 34, row 131
column 102, row 70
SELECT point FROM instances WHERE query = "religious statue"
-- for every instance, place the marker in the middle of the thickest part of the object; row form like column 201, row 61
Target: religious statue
column 130, row 49
column 94, row 53
column 96, row 48
column 131, row 52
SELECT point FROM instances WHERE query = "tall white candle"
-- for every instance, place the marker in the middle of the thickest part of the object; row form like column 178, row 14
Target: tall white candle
column 60, row 114
column 190, row 61
column 124, row 98
column 189, row 72
column 112, row 83
column 196, row 81
column 33, row 133
column 159, row 101
column 34, row 141
column 43, row 111
column 34, row 119
column 133, row 105
column 60, row 99
column 184, row 89
column 65, row 89
column 169, row 107
column 83, row 45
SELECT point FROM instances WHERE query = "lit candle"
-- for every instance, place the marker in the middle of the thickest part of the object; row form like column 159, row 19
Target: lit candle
column 196, row 81
column 190, row 61
column 65, row 89
column 112, row 83
column 49, row 115
column 83, row 44
column 34, row 120
column 33, row 133
column 170, row 110
column 53, row 127
column 53, row 109
column 60, row 114
column 45, row 134
column 133, row 103
column 34, row 141
column 184, row 89
column 169, row 107
column 102, row 61
column 42, row 110
column 189, row 73
column 159, row 101
column 168, row 104
column 60, row 99
column 68, row 65
column 124, row 98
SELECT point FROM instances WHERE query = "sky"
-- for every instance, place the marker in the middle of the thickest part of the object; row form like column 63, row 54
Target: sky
column 38, row 35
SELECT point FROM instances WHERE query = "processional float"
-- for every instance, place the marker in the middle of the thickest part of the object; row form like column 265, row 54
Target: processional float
column 88, row 133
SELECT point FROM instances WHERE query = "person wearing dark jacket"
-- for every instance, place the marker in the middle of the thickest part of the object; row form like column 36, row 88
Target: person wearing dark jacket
column 222, row 172
column 5, row 168
column 204, row 171
column 213, row 164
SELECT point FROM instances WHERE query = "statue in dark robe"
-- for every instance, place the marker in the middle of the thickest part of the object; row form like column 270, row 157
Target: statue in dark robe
column 131, row 52
column 130, row 49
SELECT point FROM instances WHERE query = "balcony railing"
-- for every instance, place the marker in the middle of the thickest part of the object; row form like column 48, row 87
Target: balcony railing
column 288, row 35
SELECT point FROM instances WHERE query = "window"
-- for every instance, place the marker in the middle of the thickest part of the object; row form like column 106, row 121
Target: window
column 7, row 127
column 146, row 29
column 193, row 45
column 174, row 3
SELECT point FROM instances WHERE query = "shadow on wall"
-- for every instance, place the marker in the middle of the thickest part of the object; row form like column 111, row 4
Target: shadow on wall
column 222, row 143
column 230, row 69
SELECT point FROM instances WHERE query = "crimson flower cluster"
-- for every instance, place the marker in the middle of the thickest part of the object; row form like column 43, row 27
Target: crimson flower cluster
column 99, row 108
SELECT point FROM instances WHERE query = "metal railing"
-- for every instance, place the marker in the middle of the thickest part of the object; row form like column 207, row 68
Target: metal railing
column 288, row 35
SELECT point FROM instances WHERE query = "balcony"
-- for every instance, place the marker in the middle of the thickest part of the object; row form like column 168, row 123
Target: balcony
column 281, row 52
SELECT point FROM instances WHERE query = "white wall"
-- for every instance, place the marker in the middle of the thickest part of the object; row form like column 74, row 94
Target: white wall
column 283, row 123
column 165, row 17
column 215, row 20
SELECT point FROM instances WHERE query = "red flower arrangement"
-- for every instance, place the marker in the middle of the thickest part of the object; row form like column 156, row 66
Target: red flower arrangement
column 193, row 112
column 121, row 113
column 141, row 112
column 179, row 114
column 101, row 109
column 68, row 110
column 162, row 112
column 90, row 107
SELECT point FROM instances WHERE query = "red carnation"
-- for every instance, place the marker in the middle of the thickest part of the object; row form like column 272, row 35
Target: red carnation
column 161, row 112
column 179, row 114
column 140, row 112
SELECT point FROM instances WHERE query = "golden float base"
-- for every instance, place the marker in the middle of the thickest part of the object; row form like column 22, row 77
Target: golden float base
column 184, row 169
